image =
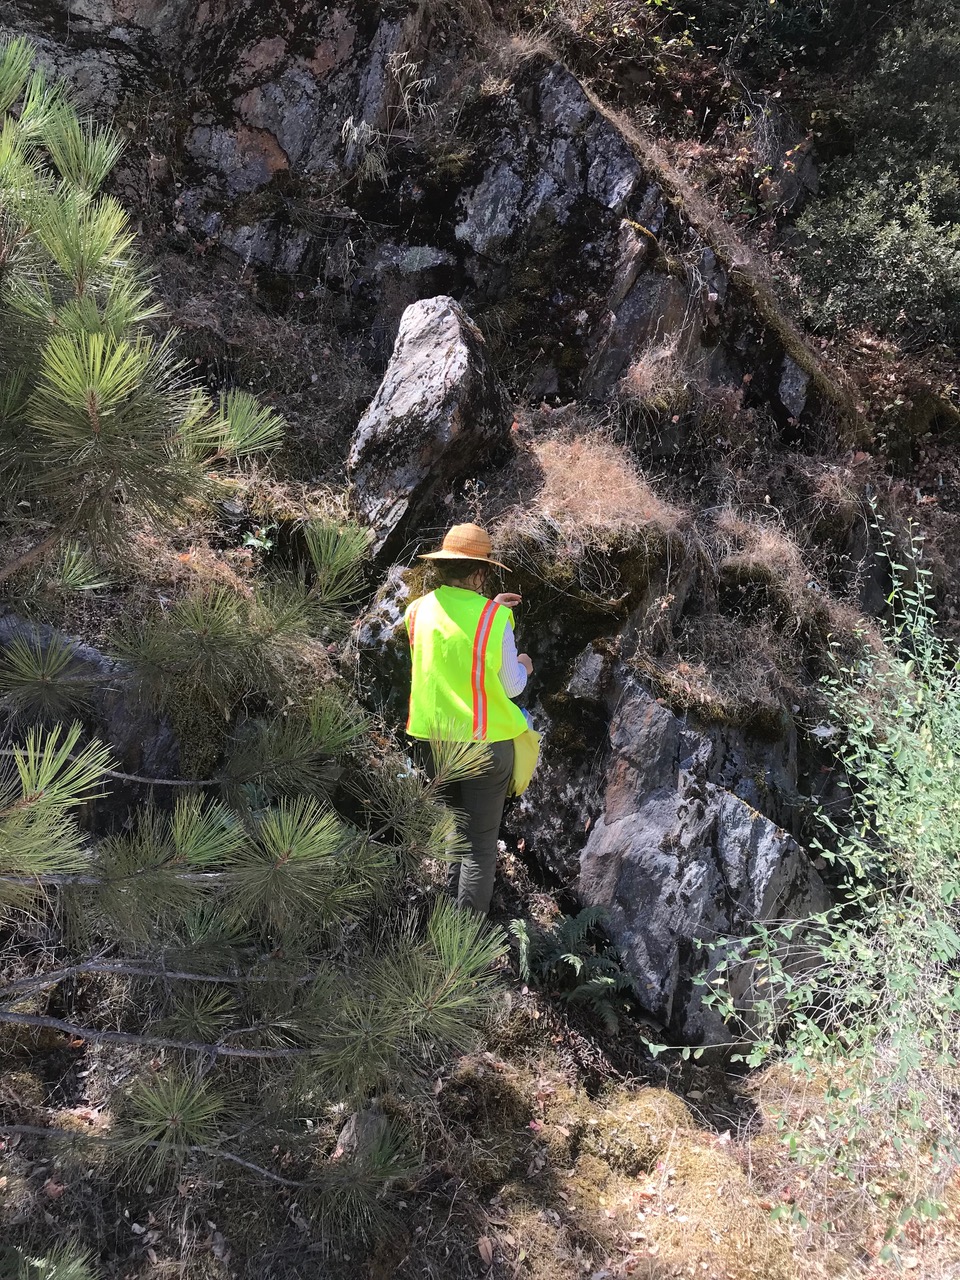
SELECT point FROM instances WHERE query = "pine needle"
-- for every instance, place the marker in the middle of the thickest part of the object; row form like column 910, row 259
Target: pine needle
column 84, row 152
column 16, row 59
column 165, row 1117
column 38, row 681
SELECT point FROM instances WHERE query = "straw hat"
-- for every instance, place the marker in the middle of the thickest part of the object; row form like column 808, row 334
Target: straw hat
column 466, row 542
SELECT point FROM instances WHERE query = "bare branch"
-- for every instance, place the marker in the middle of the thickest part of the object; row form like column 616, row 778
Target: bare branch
column 38, row 1131
column 78, row 878
column 53, row 976
column 27, row 557
column 139, row 777
column 159, row 1042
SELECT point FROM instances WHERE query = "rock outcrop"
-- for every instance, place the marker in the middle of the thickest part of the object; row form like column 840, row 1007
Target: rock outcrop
column 659, row 821
column 303, row 145
column 438, row 414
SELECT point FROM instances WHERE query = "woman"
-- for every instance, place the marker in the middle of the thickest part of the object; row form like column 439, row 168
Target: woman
column 466, row 670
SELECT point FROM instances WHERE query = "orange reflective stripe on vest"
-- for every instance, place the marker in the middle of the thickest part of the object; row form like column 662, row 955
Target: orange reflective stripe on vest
column 478, row 674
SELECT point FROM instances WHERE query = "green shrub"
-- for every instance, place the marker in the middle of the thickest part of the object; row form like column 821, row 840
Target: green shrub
column 769, row 35
column 863, row 1001
column 876, row 256
column 881, row 248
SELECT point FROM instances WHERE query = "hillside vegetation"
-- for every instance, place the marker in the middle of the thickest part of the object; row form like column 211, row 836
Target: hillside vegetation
column 242, row 1030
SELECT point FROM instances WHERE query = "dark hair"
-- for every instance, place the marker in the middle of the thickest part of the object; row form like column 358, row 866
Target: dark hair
column 452, row 573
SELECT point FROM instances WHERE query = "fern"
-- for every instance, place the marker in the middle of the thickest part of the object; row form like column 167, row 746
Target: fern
column 63, row 1262
column 573, row 960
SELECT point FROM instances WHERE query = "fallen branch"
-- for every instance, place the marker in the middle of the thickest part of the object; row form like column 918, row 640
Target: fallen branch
column 53, row 976
column 38, row 1131
column 157, row 1042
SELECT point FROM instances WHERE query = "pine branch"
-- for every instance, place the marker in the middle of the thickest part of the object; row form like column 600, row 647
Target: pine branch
column 38, row 1131
column 54, row 976
column 57, row 880
column 157, row 1042
column 138, row 777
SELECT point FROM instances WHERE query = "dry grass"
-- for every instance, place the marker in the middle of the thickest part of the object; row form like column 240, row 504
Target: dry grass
column 299, row 360
column 657, row 378
column 842, row 1222
column 726, row 671
column 762, row 623
column 761, row 551
column 591, row 483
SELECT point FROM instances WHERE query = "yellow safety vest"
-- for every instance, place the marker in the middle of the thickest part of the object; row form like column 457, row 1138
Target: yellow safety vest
column 456, row 645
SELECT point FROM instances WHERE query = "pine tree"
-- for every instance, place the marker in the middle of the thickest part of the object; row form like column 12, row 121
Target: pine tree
column 251, row 922
column 97, row 415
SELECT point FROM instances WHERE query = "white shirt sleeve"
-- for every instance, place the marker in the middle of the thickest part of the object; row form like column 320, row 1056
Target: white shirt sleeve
column 513, row 676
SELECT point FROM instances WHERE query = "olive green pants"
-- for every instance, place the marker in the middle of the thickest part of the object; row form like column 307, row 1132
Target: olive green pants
column 479, row 802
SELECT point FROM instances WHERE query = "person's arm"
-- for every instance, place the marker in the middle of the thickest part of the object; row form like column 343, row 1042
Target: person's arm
column 513, row 670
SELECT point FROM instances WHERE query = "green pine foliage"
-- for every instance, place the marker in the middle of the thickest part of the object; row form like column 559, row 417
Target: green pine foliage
column 38, row 682
column 255, row 934
column 97, row 414
column 65, row 1262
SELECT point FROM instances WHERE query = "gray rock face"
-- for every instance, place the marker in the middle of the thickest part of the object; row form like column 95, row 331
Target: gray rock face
column 794, row 383
column 660, row 825
column 439, row 410
column 565, row 152
column 378, row 644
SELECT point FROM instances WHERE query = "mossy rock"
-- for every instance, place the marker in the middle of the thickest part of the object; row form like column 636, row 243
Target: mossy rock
column 493, row 1114
column 22, row 1092
column 633, row 1135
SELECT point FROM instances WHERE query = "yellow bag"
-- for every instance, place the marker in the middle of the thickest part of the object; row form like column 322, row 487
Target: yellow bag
column 526, row 753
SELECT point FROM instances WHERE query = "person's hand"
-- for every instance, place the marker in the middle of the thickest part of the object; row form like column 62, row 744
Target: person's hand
column 508, row 598
column 526, row 662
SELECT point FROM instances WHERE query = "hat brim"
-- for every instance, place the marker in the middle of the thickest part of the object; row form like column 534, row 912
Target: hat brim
column 459, row 555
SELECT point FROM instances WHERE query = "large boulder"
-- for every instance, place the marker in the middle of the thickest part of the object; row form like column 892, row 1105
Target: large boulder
column 439, row 412
column 659, row 821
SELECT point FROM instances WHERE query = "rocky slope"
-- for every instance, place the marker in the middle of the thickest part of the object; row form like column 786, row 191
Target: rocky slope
column 416, row 178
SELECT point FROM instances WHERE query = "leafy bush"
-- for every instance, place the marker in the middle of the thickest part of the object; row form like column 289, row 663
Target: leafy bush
column 574, row 960
column 877, row 256
column 769, row 35
column 862, row 1001
column 882, row 246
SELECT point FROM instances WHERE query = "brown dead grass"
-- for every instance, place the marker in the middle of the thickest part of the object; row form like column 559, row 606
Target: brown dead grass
column 591, row 482
column 657, row 378
column 857, row 1212
column 762, row 551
